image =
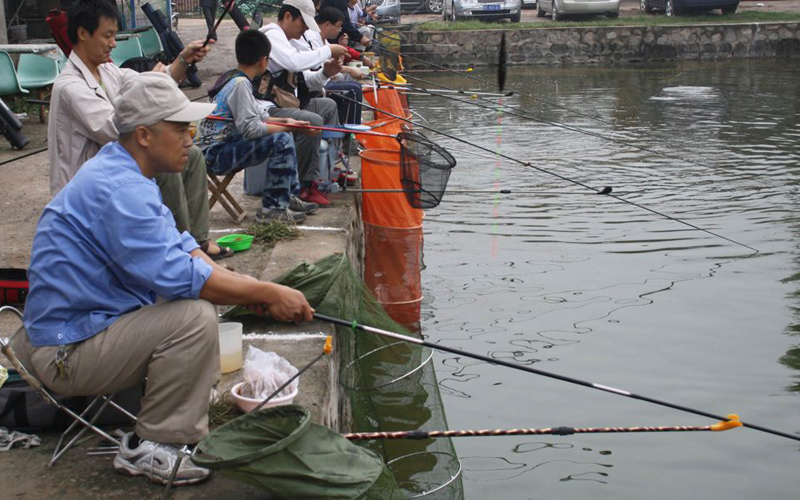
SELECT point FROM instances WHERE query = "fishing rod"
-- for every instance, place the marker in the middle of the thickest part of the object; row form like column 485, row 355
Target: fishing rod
column 731, row 423
column 542, row 101
column 605, row 190
column 213, row 30
column 445, row 69
column 493, row 106
column 562, row 177
column 405, row 88
column 20, row 157
column 313, row 127
column 620, row 392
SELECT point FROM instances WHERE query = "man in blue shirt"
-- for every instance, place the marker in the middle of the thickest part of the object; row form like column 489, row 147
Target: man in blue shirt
column 105, row 250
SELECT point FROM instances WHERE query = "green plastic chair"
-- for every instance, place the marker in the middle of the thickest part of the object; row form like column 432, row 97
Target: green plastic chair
column 35, row 72
column 9, row 83
column 151, row 43
column 126, row 49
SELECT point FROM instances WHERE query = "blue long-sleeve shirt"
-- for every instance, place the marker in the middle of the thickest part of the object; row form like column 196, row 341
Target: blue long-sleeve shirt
column 105, row 245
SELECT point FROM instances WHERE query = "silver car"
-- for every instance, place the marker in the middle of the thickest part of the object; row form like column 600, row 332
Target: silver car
column 456, row 10
column 560, row 8
column 388, row 11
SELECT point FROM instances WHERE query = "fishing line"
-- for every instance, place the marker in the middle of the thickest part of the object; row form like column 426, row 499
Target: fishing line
column 612, row 390
column 565, row 108
column 516, row 112
column 562, row 177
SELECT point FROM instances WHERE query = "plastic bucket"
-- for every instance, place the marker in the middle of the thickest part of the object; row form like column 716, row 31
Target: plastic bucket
column 230, row 347
column 380, row 169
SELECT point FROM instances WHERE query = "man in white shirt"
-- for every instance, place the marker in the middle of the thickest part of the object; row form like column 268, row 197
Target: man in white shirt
column 294, row 18
column 82, row 109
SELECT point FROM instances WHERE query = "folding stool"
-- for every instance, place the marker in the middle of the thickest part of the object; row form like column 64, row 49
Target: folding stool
column 44, row 393
column 219, row 192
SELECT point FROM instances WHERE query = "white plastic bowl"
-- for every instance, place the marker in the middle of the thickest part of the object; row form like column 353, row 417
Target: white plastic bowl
column 248, row 404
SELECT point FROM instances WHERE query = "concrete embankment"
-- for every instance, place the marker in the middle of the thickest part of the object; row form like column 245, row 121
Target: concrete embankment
column 601, row 44
column 24, row 192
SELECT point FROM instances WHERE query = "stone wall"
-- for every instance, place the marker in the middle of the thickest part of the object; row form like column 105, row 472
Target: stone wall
column 602, row 44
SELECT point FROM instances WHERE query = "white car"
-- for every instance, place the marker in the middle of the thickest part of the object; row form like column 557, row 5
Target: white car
column 459, row 10
column 560, row 8
column 528, row 3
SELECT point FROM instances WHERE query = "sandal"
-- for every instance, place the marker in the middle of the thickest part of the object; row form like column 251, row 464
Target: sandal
column 224, row 252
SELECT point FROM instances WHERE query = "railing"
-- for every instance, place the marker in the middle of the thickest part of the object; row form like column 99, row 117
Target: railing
column 186, row 6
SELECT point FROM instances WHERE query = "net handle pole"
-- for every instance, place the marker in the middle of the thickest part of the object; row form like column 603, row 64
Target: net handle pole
column 612, row 390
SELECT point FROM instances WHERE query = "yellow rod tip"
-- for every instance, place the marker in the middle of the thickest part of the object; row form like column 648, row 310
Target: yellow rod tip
column 328, row 345
column 727, row 425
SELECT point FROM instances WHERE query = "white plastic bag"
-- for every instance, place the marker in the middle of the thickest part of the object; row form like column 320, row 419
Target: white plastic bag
column 264, row 372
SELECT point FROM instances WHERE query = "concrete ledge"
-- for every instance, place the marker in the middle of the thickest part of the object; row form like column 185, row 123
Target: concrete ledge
column 602, row 44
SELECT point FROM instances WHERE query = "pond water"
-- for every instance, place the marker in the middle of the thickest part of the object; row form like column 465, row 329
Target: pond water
column 589, row 287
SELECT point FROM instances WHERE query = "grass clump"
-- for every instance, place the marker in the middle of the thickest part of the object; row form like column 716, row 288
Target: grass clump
column 639, row 20
column 221, row 412
column 272, row 232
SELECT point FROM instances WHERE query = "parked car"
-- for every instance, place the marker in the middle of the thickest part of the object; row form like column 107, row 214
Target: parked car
column 528, row 3
column 455, row 10
column 421, row 6
column 560, row 8
column 388, row 11
column 677, row 7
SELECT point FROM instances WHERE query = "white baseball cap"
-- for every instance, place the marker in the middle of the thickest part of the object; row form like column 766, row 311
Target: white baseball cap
column 153, row 97
column 306, row 8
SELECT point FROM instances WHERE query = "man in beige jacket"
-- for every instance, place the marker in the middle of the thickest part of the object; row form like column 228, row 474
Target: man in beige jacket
column 82, row 115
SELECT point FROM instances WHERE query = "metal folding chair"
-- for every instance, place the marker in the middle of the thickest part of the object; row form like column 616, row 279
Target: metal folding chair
column 98, row 404
column 219, row 192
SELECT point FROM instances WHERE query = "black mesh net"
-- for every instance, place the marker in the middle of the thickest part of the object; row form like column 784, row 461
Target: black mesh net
column 424, row 170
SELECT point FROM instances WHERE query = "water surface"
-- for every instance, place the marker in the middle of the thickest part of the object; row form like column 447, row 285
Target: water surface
column 587, row 286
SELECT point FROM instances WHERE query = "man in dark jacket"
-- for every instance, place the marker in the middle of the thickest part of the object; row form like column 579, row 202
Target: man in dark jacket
column 209, row 8
column 347, row 27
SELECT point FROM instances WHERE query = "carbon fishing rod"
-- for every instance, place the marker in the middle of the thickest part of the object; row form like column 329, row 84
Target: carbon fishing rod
column 620, row 392
column 605, row 190
column 731, row 423
column 213, row 30
column 501, row 69
column 494, row 106
column 559, row 176
column 487, row 82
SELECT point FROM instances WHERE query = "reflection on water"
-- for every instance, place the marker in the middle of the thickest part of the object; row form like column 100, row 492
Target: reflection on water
column 589, row 287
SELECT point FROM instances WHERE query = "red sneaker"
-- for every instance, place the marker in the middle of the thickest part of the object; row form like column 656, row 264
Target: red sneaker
column 312, row 194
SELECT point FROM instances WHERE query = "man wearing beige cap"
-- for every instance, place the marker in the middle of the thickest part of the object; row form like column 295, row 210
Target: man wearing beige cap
column 105, row 249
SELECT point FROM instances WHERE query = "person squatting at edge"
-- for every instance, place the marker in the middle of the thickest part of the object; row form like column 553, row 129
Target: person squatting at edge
column 104, row 250
column 82, row 115
column 248, row 135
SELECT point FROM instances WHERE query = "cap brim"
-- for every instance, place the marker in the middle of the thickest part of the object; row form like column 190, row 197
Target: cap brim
column 193, row 112
column 310, row 22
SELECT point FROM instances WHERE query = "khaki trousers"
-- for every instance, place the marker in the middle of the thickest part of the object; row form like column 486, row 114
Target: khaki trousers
column 186, row 196
column 173, row 344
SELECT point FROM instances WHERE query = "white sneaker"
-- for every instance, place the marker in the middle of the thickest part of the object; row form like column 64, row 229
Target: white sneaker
column 156, row 461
